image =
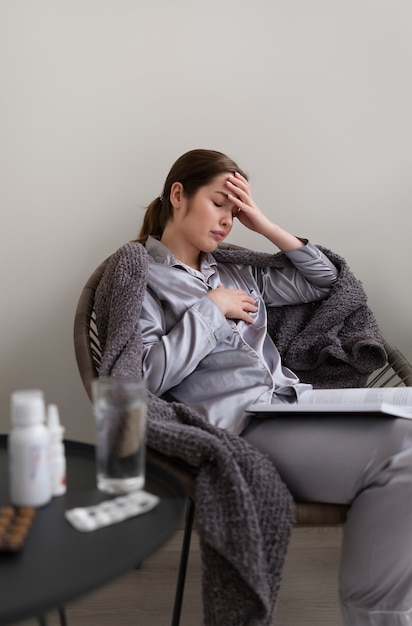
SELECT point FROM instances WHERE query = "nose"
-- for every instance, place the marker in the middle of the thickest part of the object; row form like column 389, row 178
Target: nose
column 227, row 218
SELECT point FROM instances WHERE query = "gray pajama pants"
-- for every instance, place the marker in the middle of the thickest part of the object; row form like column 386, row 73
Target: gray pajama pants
column 366, row 462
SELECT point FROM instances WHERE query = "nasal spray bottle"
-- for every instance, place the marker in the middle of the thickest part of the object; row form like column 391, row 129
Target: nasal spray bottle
column 57, row 456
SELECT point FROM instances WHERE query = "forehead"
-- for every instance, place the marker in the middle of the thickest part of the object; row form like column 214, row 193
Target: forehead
column 219, row 183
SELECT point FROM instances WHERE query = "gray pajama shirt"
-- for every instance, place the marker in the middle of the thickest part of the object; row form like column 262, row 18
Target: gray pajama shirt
column 217, row 366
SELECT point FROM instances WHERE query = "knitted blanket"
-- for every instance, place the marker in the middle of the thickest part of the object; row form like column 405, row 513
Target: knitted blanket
column 335, row 342
column 244, row 512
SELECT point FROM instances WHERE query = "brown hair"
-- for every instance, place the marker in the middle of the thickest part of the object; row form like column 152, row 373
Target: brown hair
column 194, row 169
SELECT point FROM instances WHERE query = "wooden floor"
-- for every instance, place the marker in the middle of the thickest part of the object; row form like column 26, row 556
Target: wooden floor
column 144, row 597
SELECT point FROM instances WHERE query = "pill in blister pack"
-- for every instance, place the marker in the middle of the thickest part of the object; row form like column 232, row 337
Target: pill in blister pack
column 15, row 523
column 112, row 511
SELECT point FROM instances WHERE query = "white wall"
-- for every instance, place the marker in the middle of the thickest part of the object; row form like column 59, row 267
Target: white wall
column 98, row 98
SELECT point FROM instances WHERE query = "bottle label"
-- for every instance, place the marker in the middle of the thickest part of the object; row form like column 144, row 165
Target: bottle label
column 30, row 476
column 35, row 460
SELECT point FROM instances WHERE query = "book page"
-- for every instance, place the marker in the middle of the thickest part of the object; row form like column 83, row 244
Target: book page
column 374, row 395
column 391, row 401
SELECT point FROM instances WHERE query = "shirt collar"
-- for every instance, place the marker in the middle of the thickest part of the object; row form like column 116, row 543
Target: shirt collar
column 161, row 254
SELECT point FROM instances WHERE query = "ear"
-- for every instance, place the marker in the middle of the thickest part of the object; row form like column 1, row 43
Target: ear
column 176, row 195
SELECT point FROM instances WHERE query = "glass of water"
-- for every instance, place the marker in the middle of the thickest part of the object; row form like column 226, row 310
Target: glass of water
column 119, row 407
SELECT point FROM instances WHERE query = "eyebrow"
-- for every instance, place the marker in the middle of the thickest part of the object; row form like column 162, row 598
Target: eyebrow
column 225, row 195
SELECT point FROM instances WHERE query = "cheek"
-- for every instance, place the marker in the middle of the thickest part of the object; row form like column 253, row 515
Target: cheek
column 203, row 216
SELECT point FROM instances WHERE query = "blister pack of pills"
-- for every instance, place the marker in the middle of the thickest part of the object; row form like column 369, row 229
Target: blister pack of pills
column 111, row 511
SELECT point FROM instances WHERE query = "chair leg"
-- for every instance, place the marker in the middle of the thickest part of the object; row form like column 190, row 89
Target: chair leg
column 184, row 556
column 62, row 615
column 42, row 619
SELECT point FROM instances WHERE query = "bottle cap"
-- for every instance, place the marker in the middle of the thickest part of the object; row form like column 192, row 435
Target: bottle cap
column 27, row 407
column 53, row 419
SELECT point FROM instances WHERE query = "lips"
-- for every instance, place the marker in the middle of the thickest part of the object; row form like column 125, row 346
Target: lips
column 218, row 234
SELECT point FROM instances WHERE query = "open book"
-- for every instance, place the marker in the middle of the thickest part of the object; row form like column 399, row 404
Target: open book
column 396, row 401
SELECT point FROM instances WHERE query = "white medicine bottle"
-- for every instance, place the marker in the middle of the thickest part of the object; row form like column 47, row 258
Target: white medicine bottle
column 28, row 450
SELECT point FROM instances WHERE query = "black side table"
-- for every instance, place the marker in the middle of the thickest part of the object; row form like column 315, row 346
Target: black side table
column 58, row 563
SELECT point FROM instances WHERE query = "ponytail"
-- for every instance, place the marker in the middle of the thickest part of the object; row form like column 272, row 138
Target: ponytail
column 157, row 215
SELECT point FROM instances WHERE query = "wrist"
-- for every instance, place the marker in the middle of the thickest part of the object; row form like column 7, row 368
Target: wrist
column 284, row 240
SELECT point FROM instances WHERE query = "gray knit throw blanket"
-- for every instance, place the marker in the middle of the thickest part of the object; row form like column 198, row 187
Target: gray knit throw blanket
column 244, row 512
column 335, row 342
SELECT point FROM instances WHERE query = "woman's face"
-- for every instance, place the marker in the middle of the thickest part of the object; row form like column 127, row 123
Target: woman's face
column 205, row 219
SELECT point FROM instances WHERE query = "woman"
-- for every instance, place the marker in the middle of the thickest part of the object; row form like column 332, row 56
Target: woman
column 200, row 322
column 205, row 344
